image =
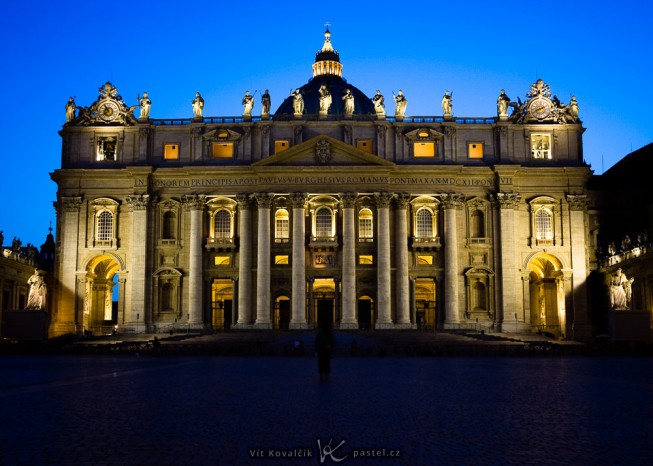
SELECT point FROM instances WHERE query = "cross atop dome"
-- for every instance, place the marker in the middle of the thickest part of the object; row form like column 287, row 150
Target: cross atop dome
column 327, row 60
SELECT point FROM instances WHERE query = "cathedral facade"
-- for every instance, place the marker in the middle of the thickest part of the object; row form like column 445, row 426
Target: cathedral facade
column 329, row 210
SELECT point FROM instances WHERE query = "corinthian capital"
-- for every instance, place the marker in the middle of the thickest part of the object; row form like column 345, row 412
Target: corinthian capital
column 193, row 201
column 348, row 200
column 577, row 201
column 244, row 201
column 138, row 201
column 298, row 200
column 508, row 200
column 402, row 200
column 383, row 199
column 452, row 200
column 71, row 204
column 264, row 200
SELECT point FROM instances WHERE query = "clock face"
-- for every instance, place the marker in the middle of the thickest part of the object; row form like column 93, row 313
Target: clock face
column 108, row 111
column 540, row 108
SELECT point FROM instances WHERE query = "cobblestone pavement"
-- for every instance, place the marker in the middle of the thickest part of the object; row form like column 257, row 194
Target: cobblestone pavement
column 144, row 410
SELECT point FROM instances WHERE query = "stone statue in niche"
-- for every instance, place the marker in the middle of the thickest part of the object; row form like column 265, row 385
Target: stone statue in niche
column 620, row 291
column 198, row 105
column 145, row 104
column 401, row 103
column 248, row 104
column 37, row 292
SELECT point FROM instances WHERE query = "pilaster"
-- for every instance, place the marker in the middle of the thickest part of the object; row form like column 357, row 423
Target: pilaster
column 401, row 248
column 298, row 300
column 263, row 301
column 384, row 285
column 510, row 305
column 244, row 262
column 451, row 204
column 348, row 320
column 195, row 202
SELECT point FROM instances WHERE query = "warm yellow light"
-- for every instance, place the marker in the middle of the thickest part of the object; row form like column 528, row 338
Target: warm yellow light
column 424, row 260
column 222, row 150
column 281, row 260
column 365, row 145
column 475, row 150
column 222, row 260
column 365, row 259
column 424, row 149
column 281, row 145
column 171, row 151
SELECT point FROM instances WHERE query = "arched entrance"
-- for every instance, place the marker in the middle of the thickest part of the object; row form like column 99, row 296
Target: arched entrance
column 282, row 312
column 324, row 290
column 100, row 309
column 222, row 303
column 547, row 295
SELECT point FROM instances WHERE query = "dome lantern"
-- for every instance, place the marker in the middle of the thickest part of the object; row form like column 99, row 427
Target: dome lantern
column 327, row 60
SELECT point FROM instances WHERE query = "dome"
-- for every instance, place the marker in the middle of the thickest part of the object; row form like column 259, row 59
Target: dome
column 327, row 70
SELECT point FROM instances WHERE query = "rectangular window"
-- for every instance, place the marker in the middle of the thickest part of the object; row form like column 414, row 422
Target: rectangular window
column 365, row 145
column 365, row 259
column 222, row 260
column 281, row 260
column 171, row 151
column 475, row 150
column 424, row 260
column 222, row 150
column 106, row 148
column 424, row 149
column 281, row 145
column 541, row 146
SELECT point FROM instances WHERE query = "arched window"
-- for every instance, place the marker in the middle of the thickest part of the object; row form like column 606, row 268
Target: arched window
column 169, row 225
column 544, row 224
column 281, row 226
column 477, row 224
column 424, row 223
column 365, row 225
column 105, row 226
column 222, row 225
column 323, row 223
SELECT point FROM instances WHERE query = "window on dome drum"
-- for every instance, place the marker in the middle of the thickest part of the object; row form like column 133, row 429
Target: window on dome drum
column 104, row 226
column 541, row 146
column 169, row 225
column 365, row 259
column 544, row 225
column 223, row 260
column 475, row 150
column 323, row 223
column 365, row 145
column 281, row 226
column 222, row 150
column 171, row 151
column 281, row 260
column 424, row 149
column 222, row 225
column 365, row 225
column 424, row 260
column 106, row 148
column 281, row 145
column 424, row 223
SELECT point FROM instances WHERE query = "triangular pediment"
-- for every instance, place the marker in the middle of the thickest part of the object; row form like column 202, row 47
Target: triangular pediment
column 323, row 151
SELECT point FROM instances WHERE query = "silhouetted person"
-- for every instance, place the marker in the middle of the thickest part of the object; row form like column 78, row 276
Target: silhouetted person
column 323, row 348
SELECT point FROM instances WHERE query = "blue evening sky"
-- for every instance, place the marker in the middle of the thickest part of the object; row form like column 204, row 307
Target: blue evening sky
column 598, row 51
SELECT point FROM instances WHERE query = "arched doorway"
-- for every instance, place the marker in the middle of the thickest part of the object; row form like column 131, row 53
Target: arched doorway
column 222, row 303
column 324, row 290
column 547, row 295
column 282, row 312
column 100, row 310
column 365, row 313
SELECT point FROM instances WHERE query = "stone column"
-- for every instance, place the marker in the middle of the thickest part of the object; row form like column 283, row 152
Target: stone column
column 510, row 304
column 348, row 320
column 234, row 301
column 401, row 248
column 196, row 205
column 65, row 314
column 580, row 326
column 138, row 205
column 413, row 304
column 264, row 202
column 298, row 300
column 311, row 298
column 526, row 296
column 451, row 204
column 383, row 279
column 244, row 262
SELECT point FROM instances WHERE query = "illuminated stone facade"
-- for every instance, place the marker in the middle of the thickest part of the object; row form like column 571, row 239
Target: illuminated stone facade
column 327, row 210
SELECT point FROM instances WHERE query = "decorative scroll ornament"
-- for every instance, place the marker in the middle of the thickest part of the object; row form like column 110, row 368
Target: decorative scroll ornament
column 108, row 109
column 323, row 152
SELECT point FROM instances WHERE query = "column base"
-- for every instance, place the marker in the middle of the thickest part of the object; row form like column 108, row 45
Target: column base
column 348, row 326
column 263, row 325
column 242, row 326
column 514, row 327
column 405, row 326
column 298, row 326
column 384, row 326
